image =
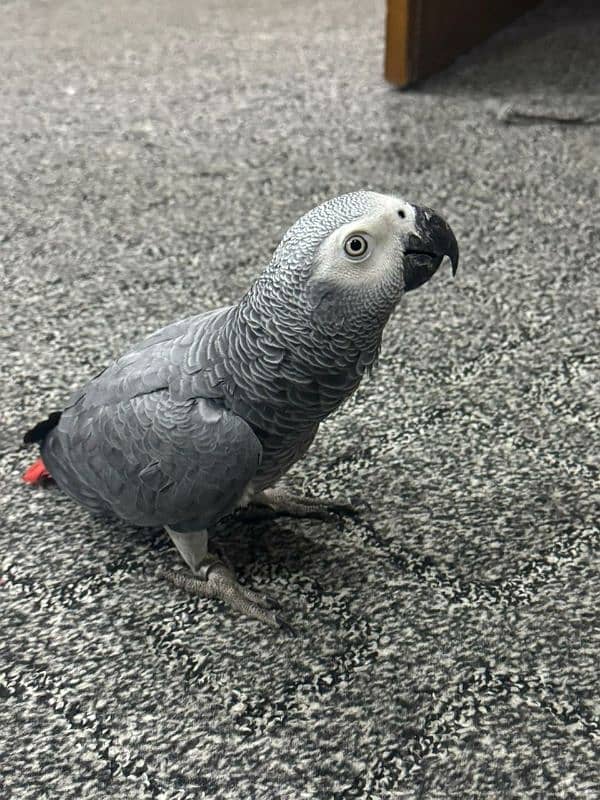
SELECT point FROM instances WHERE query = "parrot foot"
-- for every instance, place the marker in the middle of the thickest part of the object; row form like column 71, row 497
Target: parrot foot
column 213, row 579
column 292, row 505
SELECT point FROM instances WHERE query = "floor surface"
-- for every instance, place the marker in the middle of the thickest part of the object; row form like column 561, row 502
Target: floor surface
column 149, row 162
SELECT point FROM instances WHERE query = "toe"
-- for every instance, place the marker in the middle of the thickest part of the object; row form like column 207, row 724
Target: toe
column 260, row 599
column 249, row 608
column 340, row 505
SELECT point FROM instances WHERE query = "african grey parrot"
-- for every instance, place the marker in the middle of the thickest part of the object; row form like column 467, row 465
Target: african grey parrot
column 205, row 415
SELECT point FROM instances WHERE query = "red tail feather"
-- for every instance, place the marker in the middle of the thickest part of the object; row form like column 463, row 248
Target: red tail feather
column 36, row 473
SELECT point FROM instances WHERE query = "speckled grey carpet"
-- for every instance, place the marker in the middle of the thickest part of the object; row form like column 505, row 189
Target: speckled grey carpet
column 449, row 640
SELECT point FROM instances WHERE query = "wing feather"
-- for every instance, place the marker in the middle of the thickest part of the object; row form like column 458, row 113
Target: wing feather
column 150, row 439
column 151, row 460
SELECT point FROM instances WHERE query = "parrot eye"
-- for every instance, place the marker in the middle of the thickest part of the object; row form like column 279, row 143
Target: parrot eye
column 356, row 246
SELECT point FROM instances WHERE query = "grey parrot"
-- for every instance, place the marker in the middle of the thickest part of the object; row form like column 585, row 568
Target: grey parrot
column 204, row 416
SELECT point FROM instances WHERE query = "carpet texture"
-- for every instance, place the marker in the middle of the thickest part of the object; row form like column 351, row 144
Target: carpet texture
column 448, row 640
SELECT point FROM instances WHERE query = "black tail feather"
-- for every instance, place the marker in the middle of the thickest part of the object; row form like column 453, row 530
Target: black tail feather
column 39, row 432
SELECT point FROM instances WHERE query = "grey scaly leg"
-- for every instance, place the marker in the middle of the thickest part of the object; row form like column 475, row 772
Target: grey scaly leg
column 211, row 578
column 192, row 546
column 292, row 505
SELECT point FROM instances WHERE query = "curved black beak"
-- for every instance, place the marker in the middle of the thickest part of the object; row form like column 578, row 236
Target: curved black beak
column 424, row 251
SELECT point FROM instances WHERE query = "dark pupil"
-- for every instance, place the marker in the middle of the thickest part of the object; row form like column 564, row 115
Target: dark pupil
column 356, row 245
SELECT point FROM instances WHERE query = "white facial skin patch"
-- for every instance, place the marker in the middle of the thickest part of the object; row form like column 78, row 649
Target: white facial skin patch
column 382, row 229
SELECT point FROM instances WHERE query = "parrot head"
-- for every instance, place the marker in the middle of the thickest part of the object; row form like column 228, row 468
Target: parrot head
column 351, row 259
column 390, row 243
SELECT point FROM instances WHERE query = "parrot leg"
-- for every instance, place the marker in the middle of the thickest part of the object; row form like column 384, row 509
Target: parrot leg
column 211, row 578
column 293, row 505
column 192, row 547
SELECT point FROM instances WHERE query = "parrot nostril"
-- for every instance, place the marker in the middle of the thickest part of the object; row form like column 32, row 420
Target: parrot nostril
column 401, row 214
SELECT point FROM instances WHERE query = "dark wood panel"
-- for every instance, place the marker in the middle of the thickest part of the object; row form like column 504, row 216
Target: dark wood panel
column 397, row 55
column 425, row 35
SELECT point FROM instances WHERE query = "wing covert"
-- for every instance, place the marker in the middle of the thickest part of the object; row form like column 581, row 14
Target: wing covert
column 152, row 460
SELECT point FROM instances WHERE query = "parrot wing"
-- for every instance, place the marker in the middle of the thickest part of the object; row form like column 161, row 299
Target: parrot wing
column 152, row 460
column 150, row 438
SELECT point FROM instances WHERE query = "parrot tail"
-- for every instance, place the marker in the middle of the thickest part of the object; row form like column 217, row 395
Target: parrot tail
column 36, row 473
column 39, row 432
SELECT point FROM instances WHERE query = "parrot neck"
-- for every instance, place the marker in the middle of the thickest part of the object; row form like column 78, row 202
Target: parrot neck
column 304, row 363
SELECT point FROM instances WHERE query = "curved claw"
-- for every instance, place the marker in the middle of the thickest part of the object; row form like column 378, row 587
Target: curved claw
column 285, row 627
